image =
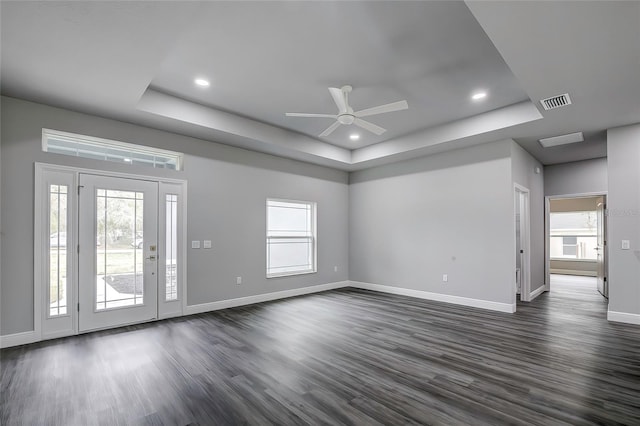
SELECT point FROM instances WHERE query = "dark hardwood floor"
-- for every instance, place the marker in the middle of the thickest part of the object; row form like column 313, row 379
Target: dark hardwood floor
column 340, row 357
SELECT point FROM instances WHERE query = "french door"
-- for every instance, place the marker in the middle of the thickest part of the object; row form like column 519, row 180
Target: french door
column 118, row 251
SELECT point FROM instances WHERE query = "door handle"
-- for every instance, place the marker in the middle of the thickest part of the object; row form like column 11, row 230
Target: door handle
column 151, row 258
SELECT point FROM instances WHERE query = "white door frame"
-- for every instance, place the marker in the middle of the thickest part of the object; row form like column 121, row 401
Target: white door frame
column 71, row 176
column 547, row 242
column 525, row 241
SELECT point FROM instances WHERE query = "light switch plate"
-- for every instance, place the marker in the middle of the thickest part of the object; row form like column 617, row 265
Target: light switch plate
column 206, row 243
column 626, row 245
column 195, row 244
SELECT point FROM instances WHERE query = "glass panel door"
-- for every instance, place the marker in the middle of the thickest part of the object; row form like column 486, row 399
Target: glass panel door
column 118, row 251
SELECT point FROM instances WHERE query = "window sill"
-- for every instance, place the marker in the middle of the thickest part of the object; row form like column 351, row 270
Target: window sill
column 568, row 259
column 291, row 274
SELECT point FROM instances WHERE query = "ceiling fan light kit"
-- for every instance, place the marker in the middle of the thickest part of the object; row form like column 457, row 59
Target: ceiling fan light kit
column 346, row 116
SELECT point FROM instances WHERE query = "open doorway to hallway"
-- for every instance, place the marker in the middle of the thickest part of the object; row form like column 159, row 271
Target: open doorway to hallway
column 576, row 252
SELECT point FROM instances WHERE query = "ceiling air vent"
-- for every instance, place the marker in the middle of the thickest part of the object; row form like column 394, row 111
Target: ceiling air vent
column 556, row 102
column 562, row 140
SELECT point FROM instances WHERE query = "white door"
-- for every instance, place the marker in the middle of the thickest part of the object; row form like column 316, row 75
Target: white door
column 117, row 234
column 601, row 253
column 523, row 260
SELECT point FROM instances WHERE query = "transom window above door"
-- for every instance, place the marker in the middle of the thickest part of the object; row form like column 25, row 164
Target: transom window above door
column 75, row 145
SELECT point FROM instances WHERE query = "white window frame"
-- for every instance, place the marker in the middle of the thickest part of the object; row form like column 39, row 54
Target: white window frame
column 130, row 148
column 314, row 239
column 45, row 325
column 173, row 307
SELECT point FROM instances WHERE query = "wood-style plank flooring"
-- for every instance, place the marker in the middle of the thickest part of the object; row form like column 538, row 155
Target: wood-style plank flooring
column 339, row 357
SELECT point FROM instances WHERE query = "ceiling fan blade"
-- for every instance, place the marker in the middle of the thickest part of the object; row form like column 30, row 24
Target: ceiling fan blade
column 304, row 114
column 394, row 106
column 339, row 99
column 330, row 129
column 369, row 126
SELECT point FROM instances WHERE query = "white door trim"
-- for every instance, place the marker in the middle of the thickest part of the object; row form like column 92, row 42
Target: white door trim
column 525, row 220
column 40, row 275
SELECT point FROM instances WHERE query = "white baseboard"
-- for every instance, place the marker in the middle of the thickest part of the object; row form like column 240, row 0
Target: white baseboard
column 258, row 298
column 31, row 336
column 18, row 339
column 537, row 292
column 458, row 300
column 623, row 317
column 573, row 272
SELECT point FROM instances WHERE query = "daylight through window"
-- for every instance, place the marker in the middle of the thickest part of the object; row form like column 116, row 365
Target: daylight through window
column 102, row 149
column 171, row 242
column 291, row 237
column 57, row 295
column 573, row 235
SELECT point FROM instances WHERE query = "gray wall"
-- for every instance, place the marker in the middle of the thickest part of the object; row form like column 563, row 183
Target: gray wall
column 523, row 167
column 623, row 206
column 450, row 213
column 227, row 189
column 580, row 177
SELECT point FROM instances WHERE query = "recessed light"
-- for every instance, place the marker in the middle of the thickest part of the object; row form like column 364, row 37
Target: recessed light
column 202, row 82
column 479, row 95
column 354, row 136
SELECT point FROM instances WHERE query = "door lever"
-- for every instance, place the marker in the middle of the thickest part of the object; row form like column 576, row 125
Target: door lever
column 152, row 258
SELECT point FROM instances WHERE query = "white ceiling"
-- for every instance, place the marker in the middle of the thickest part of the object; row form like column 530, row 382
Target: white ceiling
column 136, row 61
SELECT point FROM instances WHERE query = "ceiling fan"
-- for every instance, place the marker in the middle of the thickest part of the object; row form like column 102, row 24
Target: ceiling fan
column 347, row 116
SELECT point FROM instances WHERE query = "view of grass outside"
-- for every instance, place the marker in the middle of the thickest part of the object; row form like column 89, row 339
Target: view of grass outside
column 118, row 261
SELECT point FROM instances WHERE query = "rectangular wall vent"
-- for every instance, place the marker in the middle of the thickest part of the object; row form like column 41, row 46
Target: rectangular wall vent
column 556, row 102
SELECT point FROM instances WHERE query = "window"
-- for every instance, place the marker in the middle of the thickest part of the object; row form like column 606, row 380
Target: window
column 291, row 237
column 119, row 259
column 57, row 294
column 573, row 235
column 103, row 149
column 171, row 246
column 570, row 246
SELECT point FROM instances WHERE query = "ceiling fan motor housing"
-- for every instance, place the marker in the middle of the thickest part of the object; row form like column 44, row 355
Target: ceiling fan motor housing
column 346, row 118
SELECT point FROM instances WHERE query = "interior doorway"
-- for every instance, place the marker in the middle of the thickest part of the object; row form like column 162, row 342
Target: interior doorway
column 576, row 238
column 522, row 246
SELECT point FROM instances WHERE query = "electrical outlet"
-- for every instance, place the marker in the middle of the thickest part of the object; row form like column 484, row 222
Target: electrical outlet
column 207, row 244
column 195, row 244
column 445, row 278
column 238, row 280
